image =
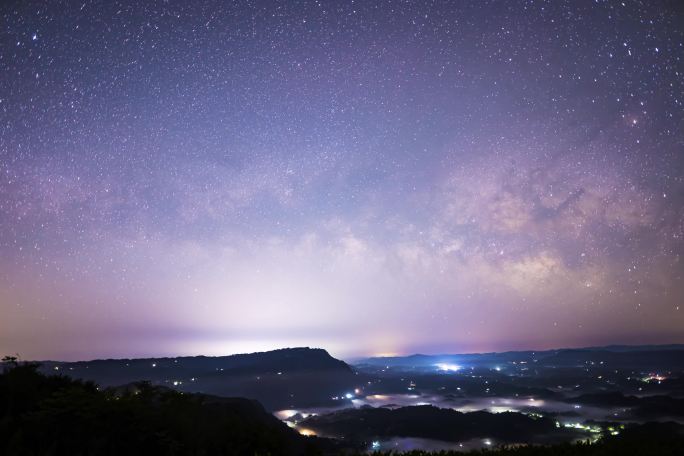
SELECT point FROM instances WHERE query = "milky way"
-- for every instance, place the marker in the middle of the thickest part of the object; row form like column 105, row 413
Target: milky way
column 369, row 177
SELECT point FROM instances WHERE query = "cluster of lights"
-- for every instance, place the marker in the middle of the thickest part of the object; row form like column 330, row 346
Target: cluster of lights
column 614, row 431
column 580, row 426
column 654, row 378
column 345, row 396
column 447, row 367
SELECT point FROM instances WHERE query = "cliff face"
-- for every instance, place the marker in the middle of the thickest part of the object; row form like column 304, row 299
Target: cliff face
column 286, row 359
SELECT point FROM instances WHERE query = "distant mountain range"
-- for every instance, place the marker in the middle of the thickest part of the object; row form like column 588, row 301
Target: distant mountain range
column 644, row 356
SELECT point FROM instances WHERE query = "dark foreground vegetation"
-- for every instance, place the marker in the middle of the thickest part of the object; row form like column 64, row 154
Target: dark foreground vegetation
column 57, row 415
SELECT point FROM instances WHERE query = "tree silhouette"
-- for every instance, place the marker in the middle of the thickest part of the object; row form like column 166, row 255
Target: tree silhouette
column 9, row 361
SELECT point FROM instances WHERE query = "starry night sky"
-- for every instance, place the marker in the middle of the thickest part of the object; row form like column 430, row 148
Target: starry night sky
column 369, row 177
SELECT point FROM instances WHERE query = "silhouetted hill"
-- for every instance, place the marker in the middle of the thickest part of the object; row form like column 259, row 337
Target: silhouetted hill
column 286, row 359
column 286, row 378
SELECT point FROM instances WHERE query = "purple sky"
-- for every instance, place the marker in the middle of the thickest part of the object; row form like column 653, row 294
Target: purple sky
column 367, row 177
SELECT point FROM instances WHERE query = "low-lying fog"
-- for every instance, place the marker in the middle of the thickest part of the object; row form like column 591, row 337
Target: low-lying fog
column 567, row 415
column 573, row 412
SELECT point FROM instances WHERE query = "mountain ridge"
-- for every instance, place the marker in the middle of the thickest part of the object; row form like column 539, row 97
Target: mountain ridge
column 609, row 349
column 278, row 378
